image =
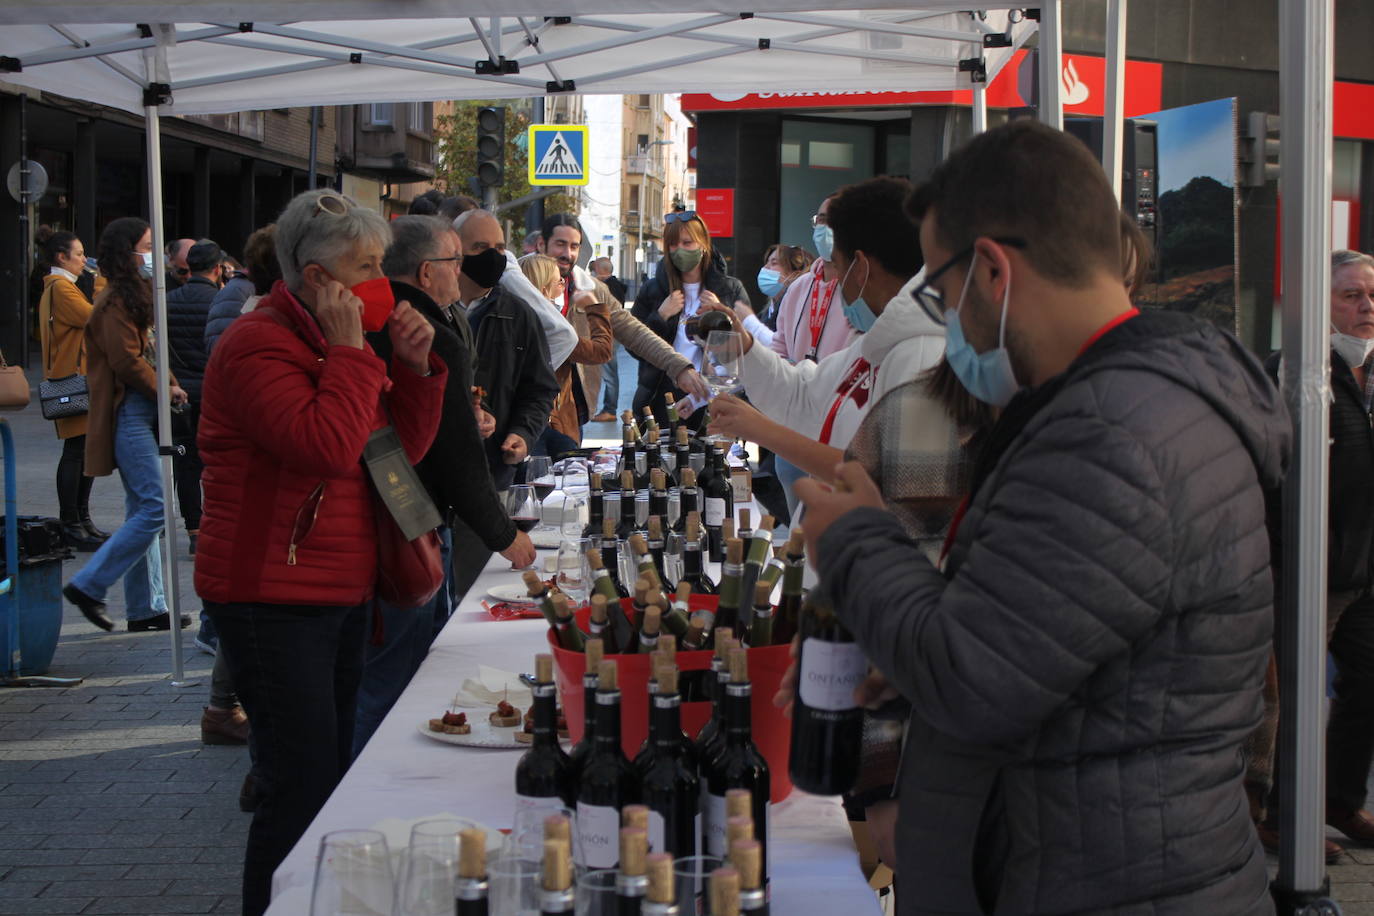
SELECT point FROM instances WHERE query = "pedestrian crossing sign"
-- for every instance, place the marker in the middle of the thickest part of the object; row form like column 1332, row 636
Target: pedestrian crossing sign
column 558, row 154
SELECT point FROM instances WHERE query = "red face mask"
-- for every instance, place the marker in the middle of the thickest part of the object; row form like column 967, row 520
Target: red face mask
column 378, row 302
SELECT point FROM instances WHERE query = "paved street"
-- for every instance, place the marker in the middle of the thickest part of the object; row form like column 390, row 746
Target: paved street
column 108, row 801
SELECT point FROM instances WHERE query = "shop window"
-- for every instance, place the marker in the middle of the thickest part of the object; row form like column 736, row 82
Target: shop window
column 822, row 154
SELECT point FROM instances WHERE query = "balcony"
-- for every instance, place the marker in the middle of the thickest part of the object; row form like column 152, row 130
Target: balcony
column 374, row 145
column 629, row 222
column 644, row 164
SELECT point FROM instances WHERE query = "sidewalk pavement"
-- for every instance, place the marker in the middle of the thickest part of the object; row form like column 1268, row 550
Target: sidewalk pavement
column 109, row 803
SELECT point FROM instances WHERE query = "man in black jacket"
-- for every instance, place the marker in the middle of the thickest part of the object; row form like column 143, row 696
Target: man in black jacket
column 517, row 386
column 422, row 264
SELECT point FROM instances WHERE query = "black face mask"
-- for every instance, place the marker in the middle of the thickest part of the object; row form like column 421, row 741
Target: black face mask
column 485, row 269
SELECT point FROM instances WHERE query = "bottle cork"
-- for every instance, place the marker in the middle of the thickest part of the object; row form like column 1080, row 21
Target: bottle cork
column 689, row 476
column 636, row 816
column 653, row 620
column 724, row 892
column 627, row 417
column 684, row 591
column 682, row 435
column 642, row 589
column 627, row 435
column 744, row 516
column 668, row 399
column 766, row 523
column 727, row 529
column 695, row 630
column 747, row 858
column 557, row 865
column 739, row 803
column 796, row 542
column 763, row 595
column 655, row 530
column 638, row 544
column 725, row 638
column 739, row 827
column 660, row 868
column 608, row 527
column 634, row 847
column 693, row 526
column 598, row 603
column 657, row 480
column 739, row 666
column 533, row 584
column 627, row 481
column 734, row 551
column 606, row 676
column 595, row 650
column 472, row 853
column 594, row 560
column 558, row 827
column 594, row 481
column 543, row 668
column 560, row 606
column 667, row 679
column 669, row 652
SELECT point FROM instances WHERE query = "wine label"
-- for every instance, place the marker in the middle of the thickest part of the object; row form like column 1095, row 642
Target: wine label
column 713, row 823
column 830, row 673
column 657, row 828
column 543, row 807
column 598, row 835
column 641, row 464
column 715, row 512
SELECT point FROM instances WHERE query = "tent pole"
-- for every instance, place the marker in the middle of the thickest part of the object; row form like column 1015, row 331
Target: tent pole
column 980, row 108
column 1051, row 65
column 170, row 579
column 1114, row 112
column 314, row 147
column 1305, row 75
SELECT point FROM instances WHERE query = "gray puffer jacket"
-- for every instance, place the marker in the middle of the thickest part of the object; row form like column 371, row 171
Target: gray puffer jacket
column 1085, row 670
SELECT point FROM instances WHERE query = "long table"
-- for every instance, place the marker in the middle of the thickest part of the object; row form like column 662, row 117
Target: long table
column 402, row 774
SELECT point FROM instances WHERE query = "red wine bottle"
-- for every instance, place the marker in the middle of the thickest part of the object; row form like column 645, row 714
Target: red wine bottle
column 737, row 765
column 543, row 777
column 671, row 788
column 788, row 615
column 632, row 881
column 724, row 890
column 556, row 886
column 693, row 568
column 827, row 723
column 718, row 500
column 661, row 900
column 706, row 743
column 689, row 499
column 747, row 858
column 731, row 573
column 607, row 782
column 595, row 650
column 596, row 506
column 470, row 888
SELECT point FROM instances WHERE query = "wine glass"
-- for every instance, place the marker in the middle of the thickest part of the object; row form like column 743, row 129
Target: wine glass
column 689, row 876
column 523, row 507
column 720, row 367
column 573, row 575
column 514, row 883
column 353, row 875
column 539, row 474
column 596, row 893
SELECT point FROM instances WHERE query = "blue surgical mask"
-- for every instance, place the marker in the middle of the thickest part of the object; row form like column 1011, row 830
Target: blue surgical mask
column 824, row 239
column 146, row 268
column 860, row 316
column 770, row 282
column 987, row 376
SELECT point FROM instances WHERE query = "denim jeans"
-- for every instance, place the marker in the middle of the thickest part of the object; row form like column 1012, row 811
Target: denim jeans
column 297, row 670
column 552, row 443
column 610, row 382
column 407, row 635
column 132, row 551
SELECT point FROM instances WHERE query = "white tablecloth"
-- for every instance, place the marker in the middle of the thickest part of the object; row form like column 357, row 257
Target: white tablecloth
column 402, row 774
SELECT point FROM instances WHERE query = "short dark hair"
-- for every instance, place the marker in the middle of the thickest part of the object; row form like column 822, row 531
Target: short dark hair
column 413, row 240
column 453, row 207
column 427, row 204
column 868, row 217
column 1027, row 180
column 561, row 219
column 260, row 258
column 59, row 242
column 204, row 256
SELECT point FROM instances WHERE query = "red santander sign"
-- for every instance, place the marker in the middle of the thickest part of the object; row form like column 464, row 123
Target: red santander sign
column 1083, row 81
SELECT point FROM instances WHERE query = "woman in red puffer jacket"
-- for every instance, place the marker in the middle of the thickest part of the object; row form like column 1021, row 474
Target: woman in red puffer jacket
column 287, row 554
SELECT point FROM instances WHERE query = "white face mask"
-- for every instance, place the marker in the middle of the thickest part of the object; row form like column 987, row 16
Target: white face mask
column 1354, row 350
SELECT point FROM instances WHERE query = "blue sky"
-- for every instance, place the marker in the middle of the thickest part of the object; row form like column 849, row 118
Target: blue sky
column 1196, row 140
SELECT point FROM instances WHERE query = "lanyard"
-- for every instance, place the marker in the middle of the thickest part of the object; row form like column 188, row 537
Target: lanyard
column 854, row 385
column 818, row 311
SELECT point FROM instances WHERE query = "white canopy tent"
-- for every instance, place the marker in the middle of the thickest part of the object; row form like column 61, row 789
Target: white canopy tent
column 220, row 56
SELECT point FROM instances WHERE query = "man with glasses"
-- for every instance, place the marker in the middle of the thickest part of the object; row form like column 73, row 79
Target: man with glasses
column 177, row 270
column 1086, row 663
column 423, row 263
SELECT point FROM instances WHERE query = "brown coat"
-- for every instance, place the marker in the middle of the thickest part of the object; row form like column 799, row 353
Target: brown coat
column 595, row 346
column 62, row 315
column 116, row 360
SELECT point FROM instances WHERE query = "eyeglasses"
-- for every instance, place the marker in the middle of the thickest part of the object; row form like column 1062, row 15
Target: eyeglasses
column 456, row 257
column 334, row 205
column 818, row 220
column 681, row 216
column 929, row 298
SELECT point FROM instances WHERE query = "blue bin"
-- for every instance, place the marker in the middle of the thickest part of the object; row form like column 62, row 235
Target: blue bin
column 38, row 601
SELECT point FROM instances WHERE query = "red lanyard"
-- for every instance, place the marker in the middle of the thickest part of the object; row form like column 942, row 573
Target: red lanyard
column 855, row 384
column 818, row 311
column 568, row 295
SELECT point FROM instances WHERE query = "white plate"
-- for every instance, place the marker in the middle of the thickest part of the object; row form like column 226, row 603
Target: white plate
column 515, row 593
column 483, row 734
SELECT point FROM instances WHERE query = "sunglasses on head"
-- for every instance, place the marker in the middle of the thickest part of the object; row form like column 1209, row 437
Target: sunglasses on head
column 680, row 216
column 332, row 204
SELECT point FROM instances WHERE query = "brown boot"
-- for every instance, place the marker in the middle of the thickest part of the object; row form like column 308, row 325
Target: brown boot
column 224, row 726
column 1269, row 839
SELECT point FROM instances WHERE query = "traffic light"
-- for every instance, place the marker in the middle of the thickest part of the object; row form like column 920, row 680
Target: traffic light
column 491, row 146
column 1259, row 157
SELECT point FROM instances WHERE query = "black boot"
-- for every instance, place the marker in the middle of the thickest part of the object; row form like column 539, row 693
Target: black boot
column 83, row 509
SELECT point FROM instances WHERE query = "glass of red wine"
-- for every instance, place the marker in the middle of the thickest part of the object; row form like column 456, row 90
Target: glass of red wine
column 523, row 507
column 539, row 474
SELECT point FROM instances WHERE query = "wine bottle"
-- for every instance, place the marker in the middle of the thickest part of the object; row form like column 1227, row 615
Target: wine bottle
column 679, row 618
column 653, row 458
column 631, row 460
column 675, row 421
column 694, row 640
column 470, row 889
column 718, row 499
column 658, row 493
column 661, row 899
column 761, row 622
column 558, row 827
column 682, row 451
column 656, row 546
column 596, row 506
column 827, row 724
column 543, row 777
column 728, row 610
column 747, row 858
column 737, row 764
column 570, row 636
column 604, row 563
column 788, row 616
column 720, row 675
column 646, row 422
column 689, row 499
column 595, row 650
column 632, row 881
column 607, row 781
column 599, row 624
column 628, row 524
column 644, row 560
column 693, row 571
column 670, row 785
column 556, row 894
column 536, row 588
column 649, row 632
column 724, row 893
column 737, row 826
column 756, row 552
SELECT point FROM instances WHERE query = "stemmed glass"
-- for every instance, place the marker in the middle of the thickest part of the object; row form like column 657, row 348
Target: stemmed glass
column 539, row 474
column 353, row 875
column 523, row 507
column 720, row 368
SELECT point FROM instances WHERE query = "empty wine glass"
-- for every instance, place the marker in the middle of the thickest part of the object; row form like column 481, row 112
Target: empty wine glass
column 596, row 893
column 573, row 574
column 527, row 835
column 514, row 885
column 720, row 367
column 353, row 875
column 522, row 507
column 689, row 876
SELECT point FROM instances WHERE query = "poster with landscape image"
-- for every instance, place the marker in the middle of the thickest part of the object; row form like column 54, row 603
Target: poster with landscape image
column 1196, row 261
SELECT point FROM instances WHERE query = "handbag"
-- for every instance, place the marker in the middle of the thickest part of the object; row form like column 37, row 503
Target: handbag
column 14, row 387
column 64, row 397
column 409, row 566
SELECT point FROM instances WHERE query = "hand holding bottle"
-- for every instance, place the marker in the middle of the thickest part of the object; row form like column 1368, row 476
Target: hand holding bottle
column 852, row 489
column 746, row 340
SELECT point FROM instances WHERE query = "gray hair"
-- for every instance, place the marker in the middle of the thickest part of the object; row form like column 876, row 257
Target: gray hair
column 414, row 239
column 1345, row 257
column 307, row 233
